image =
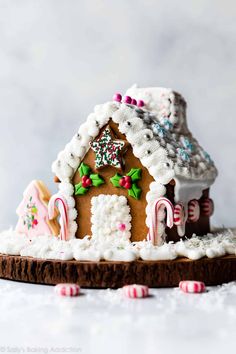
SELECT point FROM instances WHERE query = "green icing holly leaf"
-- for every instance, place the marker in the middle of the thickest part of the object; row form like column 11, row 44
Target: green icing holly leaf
column 84, row 170
column 96, row 180
column 135, row 174
column 134, row 191
column 80, row 190
column 115, row 180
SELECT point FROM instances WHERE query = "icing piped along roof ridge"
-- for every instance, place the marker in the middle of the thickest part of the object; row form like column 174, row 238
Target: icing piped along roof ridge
column 166, row 150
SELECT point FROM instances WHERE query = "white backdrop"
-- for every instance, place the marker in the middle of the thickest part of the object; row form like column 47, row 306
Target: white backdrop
column 59, row 58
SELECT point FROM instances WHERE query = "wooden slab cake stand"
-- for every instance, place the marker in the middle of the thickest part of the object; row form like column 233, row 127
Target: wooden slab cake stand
column 116, row 274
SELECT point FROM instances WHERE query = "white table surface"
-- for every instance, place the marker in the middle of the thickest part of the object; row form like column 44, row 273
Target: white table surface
column 33, row 319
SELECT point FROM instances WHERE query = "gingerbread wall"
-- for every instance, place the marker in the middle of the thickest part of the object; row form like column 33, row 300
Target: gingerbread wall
column 83, row 202
column 139, row 229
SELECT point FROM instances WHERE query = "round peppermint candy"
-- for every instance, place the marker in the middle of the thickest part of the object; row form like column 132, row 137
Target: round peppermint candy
column 67, row 289
column 192, row 286
column 135, row 291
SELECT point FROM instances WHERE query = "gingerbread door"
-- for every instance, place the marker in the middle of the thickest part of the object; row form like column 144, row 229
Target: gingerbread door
column 110, row 217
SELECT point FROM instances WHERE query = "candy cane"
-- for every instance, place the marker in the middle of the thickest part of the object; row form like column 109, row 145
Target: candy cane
column 153, row 230
column 63, row 209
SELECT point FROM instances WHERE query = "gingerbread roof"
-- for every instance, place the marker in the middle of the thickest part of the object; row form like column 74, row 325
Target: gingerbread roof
column 157, row 132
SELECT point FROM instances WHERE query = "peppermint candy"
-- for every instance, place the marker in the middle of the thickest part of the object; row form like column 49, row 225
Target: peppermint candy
column 179, row 214
column 135, row 291
column 67, row 289
column 193, row 211
column 207, row 206
column 192, row 286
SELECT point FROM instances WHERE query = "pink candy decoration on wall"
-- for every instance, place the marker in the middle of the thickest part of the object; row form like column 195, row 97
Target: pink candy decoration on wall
column 121, row 227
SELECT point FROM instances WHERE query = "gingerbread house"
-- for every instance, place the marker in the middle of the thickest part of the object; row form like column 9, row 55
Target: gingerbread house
column 135, row 171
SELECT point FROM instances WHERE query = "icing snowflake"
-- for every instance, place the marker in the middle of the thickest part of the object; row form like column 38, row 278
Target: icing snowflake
column 207, row 156
column 108, row 150
column 159, row 130
column 187, row 144
column 167, row 123
column 183, row 155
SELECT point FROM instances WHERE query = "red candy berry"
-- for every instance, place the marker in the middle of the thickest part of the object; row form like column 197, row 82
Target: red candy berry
column 86, row 182
column 127, row 179
column 122, row 182
column 84, row 178
column 128, row 185
column 126, row 182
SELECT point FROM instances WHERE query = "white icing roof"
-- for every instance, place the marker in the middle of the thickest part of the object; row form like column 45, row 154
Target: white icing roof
column 158, row 134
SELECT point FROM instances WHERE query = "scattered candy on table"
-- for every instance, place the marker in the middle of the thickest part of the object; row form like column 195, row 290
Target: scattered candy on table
column 135, row 291
column 67, row 289
column 192, row 286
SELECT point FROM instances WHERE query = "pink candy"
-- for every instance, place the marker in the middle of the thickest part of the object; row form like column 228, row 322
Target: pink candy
column 67, row 289
column 140, row 103
column 135, row 291
column 127, row 99
column 122, row 227
column 192, row 286
column 117, row 97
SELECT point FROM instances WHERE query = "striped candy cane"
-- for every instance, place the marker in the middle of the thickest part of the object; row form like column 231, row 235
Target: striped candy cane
column 179, row 219
column 59, row 201
column 153, row 230
column 193, row 211
column 207, row 206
